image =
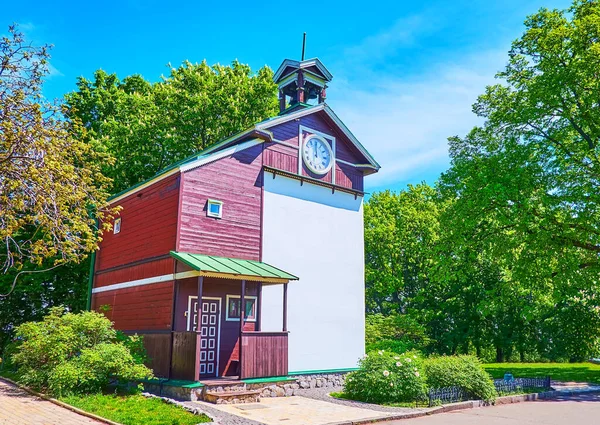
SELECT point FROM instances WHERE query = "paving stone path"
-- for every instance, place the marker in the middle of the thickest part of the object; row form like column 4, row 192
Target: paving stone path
column 18, row 407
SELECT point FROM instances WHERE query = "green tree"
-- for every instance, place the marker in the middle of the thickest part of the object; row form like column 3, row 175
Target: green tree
column 146, row 127
column 50, row 180
column 400, row 232
column 526, row 184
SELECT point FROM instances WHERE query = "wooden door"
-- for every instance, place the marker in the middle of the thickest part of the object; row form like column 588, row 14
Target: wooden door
column 210, row 332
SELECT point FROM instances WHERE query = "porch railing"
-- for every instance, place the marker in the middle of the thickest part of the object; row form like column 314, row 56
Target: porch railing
column 264, row 354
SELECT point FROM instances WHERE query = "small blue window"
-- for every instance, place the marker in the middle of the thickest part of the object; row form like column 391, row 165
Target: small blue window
column 214, row 208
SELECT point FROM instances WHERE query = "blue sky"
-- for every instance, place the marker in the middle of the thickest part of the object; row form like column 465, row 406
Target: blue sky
column 405, row 73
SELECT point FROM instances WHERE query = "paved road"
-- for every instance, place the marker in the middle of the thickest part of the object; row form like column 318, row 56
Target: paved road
column 18, row 407
column 569, row 410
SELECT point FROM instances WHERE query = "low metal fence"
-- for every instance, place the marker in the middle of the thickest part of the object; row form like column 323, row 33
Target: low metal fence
column 446, row 395
column 519, row 384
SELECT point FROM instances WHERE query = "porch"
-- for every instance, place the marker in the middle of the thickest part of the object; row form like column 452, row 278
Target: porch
column 221, row 337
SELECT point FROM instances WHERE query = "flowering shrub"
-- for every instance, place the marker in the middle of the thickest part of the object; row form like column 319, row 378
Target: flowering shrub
column 462, row 371
column 69, row 353
column 385, row 377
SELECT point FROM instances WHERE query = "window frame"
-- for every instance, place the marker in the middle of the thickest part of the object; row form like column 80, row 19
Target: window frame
column 238, row 297
column 209, row 213
column 117, row 226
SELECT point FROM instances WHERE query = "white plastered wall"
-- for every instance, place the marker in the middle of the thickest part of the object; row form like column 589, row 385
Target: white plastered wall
column 316, row 235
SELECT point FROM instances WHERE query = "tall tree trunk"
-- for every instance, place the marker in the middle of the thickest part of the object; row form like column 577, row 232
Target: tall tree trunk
column 499, row 355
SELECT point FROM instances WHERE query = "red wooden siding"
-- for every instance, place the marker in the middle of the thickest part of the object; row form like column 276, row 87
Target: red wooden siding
column 285, row 158
column 348, row 176
column 230, row 330
column 148, row 226
column 183, row 365
column 286, row 132
column 145, row 270
column 146, row 307
column 281, row 157
column 235, row 180
column 157, row 347
column 264, row 354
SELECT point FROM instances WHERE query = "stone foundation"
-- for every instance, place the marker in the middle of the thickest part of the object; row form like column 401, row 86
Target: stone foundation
column 176, row 393
column 322, row 380
column 285, row 388
column 289, row 388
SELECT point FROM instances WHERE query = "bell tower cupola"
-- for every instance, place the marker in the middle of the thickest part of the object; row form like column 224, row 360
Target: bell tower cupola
column 301, row 83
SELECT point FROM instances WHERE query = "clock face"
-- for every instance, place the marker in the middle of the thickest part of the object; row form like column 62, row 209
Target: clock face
column 317, row 154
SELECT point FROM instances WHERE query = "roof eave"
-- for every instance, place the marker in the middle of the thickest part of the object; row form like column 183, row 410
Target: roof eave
column 251, row 133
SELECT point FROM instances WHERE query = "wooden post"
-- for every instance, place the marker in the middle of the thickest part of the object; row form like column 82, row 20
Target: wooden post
column 242, row 311
column 281, row 101
column 300, row 87
column 173, row 318
column 198, row 328
column 285, row 307
column 258, row 305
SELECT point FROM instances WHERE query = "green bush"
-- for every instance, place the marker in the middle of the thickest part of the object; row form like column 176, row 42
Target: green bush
column 394, row 345
column 69, row 353
column 395, row 327
column 462, row 371
column 385, row 377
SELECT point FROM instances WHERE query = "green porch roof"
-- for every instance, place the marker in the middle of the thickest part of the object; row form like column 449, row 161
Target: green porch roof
column 233, row 268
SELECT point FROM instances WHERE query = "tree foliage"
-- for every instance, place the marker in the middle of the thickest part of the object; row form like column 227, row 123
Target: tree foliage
column 400, row 231
column 50, row 181
column 54, row 172
column 513, row 267
column 147, row 126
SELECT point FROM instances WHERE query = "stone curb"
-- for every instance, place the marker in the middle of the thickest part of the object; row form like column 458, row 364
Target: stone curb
column 471, row 404
column 60, row 403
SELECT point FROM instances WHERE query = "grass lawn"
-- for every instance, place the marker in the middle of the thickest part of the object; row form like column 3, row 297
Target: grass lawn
column 576, row 372
column 135, row 410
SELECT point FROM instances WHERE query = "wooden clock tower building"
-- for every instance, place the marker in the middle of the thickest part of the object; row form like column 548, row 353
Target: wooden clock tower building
column 247, row 259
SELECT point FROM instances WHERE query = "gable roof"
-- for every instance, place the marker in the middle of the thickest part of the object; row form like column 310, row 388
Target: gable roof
column 271, row 122
column 257, row 134
column 294, row 64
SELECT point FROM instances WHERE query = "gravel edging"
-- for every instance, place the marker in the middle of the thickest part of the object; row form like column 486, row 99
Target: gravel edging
column 323, row 395
column 192, row 409
column 60, row 403
column 219, row 417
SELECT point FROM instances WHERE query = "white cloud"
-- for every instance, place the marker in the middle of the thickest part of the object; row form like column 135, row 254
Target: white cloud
column 26, row 26
column 405, row 122
column 378, row 46
column 53, row 71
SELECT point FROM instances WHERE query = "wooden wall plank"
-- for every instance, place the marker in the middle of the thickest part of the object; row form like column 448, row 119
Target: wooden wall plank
column 285, row 158
column 184, row 356
column 235, row 180
column 147, row 307
column 148, row 226
column 157, row 348
column 264, row 354
column 142, row 271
